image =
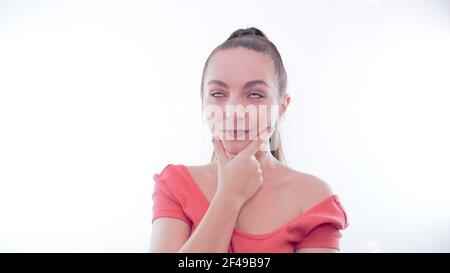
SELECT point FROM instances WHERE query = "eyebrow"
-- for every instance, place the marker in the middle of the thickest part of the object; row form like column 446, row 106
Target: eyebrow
column 246, row 85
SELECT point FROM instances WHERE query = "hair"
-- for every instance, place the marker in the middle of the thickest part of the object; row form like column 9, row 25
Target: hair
column 254, row 39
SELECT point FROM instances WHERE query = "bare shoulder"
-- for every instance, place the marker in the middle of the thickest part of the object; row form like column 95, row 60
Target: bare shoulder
column 311, row 189
column 199, row 170
column 202, row 174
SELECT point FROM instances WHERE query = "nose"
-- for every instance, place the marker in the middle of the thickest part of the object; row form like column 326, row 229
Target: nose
column 234, row 105
column 235, row 116
column 233, row 99
column 234, row 110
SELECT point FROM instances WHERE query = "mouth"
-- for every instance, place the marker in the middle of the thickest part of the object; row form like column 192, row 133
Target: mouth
column 233, row 134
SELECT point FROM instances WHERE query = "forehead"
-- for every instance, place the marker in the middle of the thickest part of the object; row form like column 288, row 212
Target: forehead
column 236, row 66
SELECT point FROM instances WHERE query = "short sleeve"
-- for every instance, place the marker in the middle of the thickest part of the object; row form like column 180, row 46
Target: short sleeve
column 321, row 227
column 322, row 236
column 165, row 204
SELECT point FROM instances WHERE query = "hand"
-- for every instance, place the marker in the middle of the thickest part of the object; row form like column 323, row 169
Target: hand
column 238, row 178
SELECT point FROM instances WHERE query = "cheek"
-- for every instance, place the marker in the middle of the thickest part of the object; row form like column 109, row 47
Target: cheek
column 213, row 115
column 262, row 116
column 267, row 117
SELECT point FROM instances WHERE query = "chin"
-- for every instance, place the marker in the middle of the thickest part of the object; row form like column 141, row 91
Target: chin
column 235, row 146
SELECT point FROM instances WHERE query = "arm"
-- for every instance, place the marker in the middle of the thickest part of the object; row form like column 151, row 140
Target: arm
column 168, row 234
column 213, row 234
column 238, row 179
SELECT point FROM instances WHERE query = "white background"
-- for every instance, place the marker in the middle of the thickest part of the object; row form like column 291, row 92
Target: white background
column 97, row 96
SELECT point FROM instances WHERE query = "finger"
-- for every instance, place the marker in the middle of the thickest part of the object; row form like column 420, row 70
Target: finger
column 220, row 151
column 251, row 148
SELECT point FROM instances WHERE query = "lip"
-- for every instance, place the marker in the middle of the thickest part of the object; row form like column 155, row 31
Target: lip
column 236, row 131
column 232, row 134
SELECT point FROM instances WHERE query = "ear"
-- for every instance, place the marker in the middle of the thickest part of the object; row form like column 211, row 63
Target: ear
column 284, row 103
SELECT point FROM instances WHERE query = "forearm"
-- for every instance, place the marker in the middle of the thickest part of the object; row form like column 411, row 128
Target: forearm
column 215, row 230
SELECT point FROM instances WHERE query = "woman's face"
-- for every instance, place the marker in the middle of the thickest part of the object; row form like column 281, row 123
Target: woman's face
column 241, row 98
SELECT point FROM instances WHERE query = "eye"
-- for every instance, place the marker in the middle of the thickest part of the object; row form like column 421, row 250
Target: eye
column 217, row 94
column 255, row 95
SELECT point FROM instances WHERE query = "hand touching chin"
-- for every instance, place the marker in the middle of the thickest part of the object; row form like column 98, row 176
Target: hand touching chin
column 234, row 147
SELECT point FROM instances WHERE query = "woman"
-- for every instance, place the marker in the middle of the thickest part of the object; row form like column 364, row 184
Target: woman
column 246, row 199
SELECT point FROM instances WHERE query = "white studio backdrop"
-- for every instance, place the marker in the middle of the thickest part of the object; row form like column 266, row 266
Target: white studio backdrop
column 97, row 96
